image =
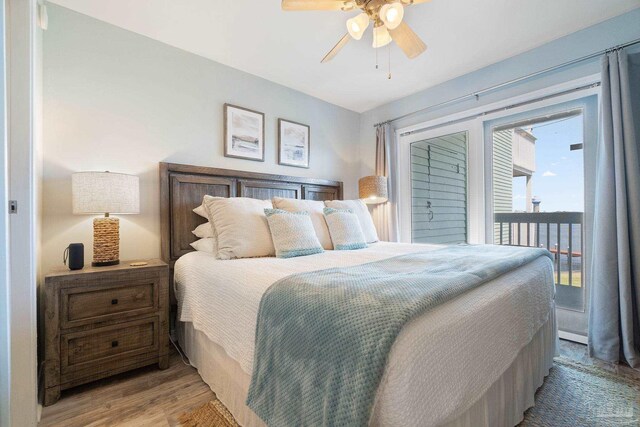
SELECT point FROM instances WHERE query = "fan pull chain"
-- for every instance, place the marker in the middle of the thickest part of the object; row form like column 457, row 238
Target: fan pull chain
column 374, row 43
column 389, row 50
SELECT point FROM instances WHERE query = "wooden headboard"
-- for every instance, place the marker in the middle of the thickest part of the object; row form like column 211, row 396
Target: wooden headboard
column 182, row 188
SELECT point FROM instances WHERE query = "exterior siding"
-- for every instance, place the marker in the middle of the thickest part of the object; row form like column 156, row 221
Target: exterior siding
column 502, row 177
column 439, row 177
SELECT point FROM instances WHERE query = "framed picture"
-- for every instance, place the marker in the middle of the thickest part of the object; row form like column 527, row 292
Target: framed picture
column 243, row 133
column 293, row 143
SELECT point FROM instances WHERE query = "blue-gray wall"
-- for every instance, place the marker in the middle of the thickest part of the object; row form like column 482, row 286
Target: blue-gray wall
column 115, row 100
column 609, row 33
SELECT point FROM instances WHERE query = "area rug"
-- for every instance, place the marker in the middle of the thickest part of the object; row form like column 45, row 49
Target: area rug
column 579, row 395
column 211, row 414
column 572, row 395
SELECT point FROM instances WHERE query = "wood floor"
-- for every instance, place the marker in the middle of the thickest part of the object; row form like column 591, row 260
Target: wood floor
column 144, row 397
column 151, row 397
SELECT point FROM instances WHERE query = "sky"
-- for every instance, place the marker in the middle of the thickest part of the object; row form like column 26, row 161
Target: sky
column 559, row 177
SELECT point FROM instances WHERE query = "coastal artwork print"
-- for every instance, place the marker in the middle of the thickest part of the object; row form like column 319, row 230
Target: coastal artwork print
column 293, row 143
column 243, row 133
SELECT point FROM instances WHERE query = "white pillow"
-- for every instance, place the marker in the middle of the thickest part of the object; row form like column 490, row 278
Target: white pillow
column 200, row 210
column 203, row 231
column 292, row 233
column 206, row 230
column 362, row 212
column 205, row 245
column 314, row 207
column 240, row 226
column 345, row 229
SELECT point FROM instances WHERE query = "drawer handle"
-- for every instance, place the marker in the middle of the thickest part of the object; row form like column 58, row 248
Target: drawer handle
column 114, row 343
column 114, row 301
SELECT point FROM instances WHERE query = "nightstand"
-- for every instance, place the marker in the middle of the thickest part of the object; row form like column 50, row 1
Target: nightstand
column 100, row 321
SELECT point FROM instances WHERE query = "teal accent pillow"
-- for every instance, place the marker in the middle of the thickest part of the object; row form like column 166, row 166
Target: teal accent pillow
column 344, row 227
column 292, row 233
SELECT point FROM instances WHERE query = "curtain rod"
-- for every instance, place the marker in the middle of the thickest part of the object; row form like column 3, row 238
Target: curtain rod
column 505, row 108
column 477, row 94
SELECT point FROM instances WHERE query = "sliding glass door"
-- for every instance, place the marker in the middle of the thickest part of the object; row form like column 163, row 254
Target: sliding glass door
column 540, row 186
column 521, row 175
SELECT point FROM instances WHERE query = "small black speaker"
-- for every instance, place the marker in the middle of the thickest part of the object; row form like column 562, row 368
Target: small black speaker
column 75, row 254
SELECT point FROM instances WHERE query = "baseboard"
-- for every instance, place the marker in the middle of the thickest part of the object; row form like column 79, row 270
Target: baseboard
column 569, row 336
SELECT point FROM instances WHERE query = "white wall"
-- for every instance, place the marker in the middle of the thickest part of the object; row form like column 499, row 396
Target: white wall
column 38, row 168
column 5, row 359
column 118, row 101
column 21, row 32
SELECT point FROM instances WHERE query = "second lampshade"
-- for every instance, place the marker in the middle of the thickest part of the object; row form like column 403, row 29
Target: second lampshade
column 373, row 189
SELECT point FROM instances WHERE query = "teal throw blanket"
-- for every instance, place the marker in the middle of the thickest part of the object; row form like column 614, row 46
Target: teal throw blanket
column 323, row 337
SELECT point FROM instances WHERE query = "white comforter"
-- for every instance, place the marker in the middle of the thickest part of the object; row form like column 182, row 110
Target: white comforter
column 451, row 355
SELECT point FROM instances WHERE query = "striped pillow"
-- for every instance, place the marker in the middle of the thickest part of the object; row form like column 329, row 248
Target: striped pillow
column 344, row 227
column 292, row 233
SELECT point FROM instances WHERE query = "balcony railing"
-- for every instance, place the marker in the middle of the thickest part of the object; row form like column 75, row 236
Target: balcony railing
column 562, row 234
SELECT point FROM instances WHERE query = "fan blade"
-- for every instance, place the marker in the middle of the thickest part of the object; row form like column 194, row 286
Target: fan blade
column 314, row 4
column 408, row 41
column 333, row 52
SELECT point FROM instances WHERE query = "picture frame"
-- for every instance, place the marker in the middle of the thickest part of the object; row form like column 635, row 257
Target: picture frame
column 294, row 143
column 243, row 133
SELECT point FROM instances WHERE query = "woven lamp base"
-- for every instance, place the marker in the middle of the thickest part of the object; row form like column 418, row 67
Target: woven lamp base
column 106, row 242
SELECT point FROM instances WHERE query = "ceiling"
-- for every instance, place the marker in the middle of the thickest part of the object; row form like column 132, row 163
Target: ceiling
column 255, row 36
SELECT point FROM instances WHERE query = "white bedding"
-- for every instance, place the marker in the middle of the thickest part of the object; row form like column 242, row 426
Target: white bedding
column 442, row 362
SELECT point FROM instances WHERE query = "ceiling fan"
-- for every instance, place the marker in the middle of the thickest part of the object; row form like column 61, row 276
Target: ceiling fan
column 386, row 16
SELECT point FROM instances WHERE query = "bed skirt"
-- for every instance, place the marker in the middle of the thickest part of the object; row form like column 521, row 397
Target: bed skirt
column 502, row 405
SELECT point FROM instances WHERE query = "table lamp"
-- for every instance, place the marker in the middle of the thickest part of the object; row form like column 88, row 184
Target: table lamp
column 373, row 189
column 105, row 193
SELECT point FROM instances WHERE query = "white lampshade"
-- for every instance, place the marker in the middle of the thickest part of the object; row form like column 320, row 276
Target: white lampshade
column 392, row 14
column 381, row 36
column 358, row 25
column 105, row 192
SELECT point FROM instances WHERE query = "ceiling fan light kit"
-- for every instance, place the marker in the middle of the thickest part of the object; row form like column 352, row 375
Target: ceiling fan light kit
column 386, row 15
column 358, row 25
column 381, row 36
column 391, row 14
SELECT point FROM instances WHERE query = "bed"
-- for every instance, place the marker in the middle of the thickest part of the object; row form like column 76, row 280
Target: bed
column 474, row 360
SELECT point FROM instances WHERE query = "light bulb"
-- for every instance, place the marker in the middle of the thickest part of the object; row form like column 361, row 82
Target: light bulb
column 358, row 25
column 392, row 14
column 381, row 36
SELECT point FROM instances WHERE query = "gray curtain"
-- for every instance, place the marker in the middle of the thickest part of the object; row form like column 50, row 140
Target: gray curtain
column 385, row 215
column 614, row 318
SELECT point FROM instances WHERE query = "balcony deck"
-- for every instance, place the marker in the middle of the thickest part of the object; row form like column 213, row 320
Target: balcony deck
column 559, row 232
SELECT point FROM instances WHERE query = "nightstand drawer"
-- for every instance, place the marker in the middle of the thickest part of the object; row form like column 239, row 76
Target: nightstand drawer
column 94, row 348
column 83, row 305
